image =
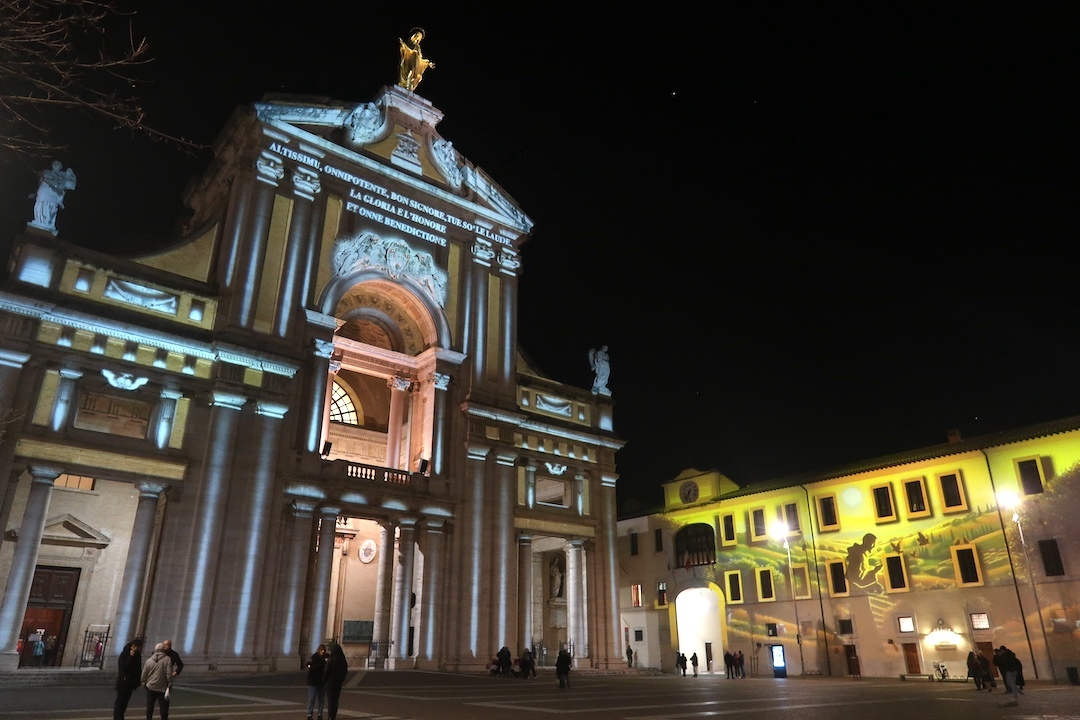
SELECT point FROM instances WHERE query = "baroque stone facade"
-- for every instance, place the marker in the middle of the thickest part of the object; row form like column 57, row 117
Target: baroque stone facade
column 307, row 419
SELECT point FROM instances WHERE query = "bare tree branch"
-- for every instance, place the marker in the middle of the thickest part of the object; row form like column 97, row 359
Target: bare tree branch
column 64, row 54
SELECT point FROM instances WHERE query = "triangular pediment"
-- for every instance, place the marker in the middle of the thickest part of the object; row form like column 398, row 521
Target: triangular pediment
column 69, row 530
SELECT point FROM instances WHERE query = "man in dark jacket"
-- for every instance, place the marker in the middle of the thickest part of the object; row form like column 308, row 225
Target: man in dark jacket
column 177, row 663
column 337, row 668
column 129, row 665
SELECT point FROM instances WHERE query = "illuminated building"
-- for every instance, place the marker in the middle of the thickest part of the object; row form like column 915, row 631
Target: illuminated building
column 308, row 419
column 889, row 567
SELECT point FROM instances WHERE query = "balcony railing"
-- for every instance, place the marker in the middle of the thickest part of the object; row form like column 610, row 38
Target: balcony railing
column 361, row 473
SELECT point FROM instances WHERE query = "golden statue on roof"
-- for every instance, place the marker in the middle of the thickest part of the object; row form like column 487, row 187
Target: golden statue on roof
column 413, row 63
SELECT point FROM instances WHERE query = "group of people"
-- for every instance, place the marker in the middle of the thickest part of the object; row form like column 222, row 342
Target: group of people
column 155, row 674
column 681, row 662
column 326, row 672
column 734, row 664
column 503, row 665
column 1008, row 665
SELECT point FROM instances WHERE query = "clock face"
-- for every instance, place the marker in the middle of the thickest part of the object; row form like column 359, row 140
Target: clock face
column 688, row 492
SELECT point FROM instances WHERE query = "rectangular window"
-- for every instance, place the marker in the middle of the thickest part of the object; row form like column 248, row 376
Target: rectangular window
column 980, row 621
column 758, row 531
column 884, row 508
column 733, row 581
column 633, row 543
column 765, row 590
column 74, row 482
column 837, row 579
column 791, row 518
column 639, row 636
column 727, row 530
column 844, row 627
column 828, row 518
column 966, row 565
column 906, row 623
column 635, row 595
column 661, row 593
column 1051, row 558
column 896, row 572
column 953, row 497
column 915, row 498
column 800, row 576
column 771, row 629
column 658, row 538
column 1030, row 472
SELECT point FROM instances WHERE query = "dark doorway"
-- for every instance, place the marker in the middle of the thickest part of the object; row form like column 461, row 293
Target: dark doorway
column 987, row 649
column 852, row 655
column 708, row 656
column 48, row 613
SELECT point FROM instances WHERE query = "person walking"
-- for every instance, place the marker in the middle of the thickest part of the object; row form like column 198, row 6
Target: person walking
column 129, row 674
column 693, row 663
column 157, row 674
column 1014, row 675
column 527, row 663
column 988, row 680
column 562, row 669
column 50, row 650
column 974, row 671
column 316, row 681
column 337, row 668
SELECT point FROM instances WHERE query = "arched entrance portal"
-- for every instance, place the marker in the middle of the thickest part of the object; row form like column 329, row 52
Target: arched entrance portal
column 698, row 618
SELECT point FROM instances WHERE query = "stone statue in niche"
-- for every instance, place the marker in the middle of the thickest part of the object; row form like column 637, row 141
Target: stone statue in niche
column 598, row 360
column 556, row 578
column 50, row 195
column 413, row 63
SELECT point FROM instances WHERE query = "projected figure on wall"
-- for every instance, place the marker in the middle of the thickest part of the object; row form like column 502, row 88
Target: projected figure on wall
column 50, row 195
column 598, row 360
column 413, row 62
column 860, row 572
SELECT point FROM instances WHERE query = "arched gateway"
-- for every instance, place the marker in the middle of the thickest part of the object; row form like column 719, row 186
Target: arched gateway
column 308, row 419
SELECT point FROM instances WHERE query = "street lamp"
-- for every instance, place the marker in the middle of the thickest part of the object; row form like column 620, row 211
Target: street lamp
column 780, row 532
column 1011, row 501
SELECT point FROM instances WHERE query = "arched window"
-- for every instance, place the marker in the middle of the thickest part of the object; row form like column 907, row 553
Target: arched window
column 695, row 545
column 342, row 408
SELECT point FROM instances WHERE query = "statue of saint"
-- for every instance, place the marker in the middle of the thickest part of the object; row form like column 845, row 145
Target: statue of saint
column 50, row 195
column 598, row 360
column 413, row 63
column 556, row 578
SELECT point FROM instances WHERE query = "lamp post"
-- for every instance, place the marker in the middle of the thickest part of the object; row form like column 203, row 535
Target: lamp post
column 1011, row 501
column 780, row 532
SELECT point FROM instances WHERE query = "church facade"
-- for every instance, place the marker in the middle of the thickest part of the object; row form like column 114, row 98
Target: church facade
column 307, row 420
column 894, row 566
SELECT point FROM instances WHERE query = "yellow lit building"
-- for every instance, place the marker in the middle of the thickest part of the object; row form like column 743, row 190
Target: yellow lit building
column 895, row 566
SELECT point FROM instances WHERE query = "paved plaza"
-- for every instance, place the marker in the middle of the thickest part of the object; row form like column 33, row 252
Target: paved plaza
column 444, row 696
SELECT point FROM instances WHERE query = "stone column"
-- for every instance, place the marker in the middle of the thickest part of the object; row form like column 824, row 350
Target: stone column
column 252, row 535
column 320, row 373
column 575, row 618
column 607, row 572
column 483, row 256
column 508, row 267
column 440, row 429
column 503, row 572
column 399, row 389
column 305, row 187
column 324, row 568
column 209, row 519
column 403, row 587
column 24, row 562
column 295, row 576
column 269, row 171
column 65, row 392
column 525, row 588
column 530, row 486
column 11, row 377
column 579, row 494
column 384, row 589
column 431, row 605
column 128, row 606
column 166, row 417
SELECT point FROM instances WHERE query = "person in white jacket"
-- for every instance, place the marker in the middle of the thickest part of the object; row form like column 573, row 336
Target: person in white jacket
column 157, row 677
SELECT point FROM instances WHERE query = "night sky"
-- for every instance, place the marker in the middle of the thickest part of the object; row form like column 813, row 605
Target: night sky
column 807, row 237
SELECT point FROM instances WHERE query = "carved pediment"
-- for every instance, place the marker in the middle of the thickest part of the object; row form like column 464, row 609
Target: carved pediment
column 70, row 531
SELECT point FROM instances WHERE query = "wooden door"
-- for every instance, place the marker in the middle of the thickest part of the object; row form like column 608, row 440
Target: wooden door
column 52, row 599
column 987, row 649
column 852, row 656
column 911, row 658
